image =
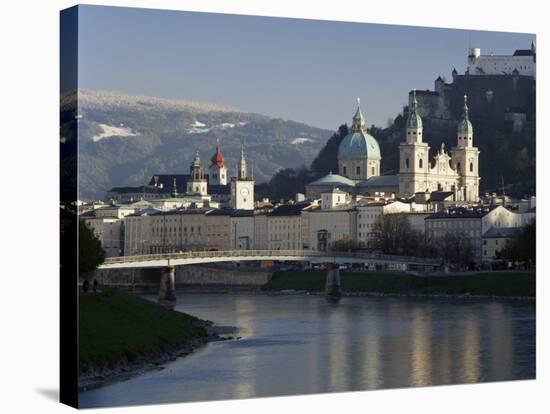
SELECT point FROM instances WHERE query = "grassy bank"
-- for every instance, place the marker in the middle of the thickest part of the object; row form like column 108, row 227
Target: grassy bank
column 116, row 326
column 489, row 283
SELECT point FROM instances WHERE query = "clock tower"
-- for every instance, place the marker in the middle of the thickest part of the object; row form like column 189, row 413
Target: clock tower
column 242, row 187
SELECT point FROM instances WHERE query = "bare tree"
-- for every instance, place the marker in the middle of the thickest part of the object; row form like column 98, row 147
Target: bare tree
column 395, row 235
column 457, row 248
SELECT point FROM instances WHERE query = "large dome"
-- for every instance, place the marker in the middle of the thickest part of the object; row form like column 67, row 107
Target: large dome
column 359, row 144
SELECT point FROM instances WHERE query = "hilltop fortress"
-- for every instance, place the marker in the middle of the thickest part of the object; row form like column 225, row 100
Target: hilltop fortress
column 493, row 88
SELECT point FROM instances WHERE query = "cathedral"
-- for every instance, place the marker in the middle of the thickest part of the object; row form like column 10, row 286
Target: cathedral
column 359, row 157
column 456, row 172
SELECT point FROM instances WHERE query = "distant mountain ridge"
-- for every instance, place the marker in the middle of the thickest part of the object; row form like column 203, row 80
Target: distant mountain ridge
column 125, row 139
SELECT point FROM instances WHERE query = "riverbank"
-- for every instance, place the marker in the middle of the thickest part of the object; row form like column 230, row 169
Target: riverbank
column 122, row 335
column 482, row 284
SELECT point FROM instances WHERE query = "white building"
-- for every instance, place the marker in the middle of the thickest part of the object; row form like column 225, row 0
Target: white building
column 286, row 227
column 472, row 224
column 109, row 232
column 178, row 231
column 522, row 62
column 260, row 232
column 457, row 173
column 218, row 229
column 329, row 225
column 137, row 232
column 242, row 230
column 369, row 213
column 334, row 198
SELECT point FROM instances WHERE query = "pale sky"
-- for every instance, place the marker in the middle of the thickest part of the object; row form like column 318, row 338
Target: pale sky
column 304, row 70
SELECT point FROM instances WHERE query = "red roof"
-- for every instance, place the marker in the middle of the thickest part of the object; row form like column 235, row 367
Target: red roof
column 217, row 159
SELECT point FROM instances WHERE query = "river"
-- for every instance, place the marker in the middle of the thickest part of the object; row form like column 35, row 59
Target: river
column 299, row 344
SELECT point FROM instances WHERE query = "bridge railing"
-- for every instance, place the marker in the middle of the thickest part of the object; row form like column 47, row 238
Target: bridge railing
column 270, row 254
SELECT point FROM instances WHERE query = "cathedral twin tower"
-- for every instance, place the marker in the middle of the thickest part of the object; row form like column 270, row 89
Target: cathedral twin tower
column 456, row 173
column 359, row 159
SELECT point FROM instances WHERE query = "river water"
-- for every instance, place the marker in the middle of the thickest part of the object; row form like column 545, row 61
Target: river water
column 299, row 344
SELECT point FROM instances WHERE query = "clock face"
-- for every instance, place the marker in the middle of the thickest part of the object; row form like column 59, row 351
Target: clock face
column 244, row 192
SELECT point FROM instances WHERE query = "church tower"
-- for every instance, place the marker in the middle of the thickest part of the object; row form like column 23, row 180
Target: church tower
column 414, row 166
column 242, row 186
column 196, row 184
column 465, row 158
column 217, row 172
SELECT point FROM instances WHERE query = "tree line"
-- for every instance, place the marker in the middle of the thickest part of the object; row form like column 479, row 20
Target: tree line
column 394, row 234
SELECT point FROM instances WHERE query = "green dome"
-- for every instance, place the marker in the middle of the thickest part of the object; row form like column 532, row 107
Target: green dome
column 464, row 125
column 333, row 180
column 196, row 161
column 359, row 145
column 414, row 121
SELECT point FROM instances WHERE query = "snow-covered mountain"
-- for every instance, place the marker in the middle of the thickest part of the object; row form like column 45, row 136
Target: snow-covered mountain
column 124, row 139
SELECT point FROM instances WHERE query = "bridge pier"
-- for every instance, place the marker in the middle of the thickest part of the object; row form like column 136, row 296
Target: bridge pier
column 333, row 290
column 167, row 291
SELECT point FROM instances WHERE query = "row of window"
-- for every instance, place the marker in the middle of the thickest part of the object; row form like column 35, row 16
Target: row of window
column 156, row 230
column 357, row 170
column 454, row 224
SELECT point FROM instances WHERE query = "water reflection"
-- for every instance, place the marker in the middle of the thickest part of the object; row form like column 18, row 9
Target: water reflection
column 301, row 344
column 421, row 347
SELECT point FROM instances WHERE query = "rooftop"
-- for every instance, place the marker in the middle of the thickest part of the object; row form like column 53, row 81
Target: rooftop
column 461, row 213
column 289, row 209
column 333, row 180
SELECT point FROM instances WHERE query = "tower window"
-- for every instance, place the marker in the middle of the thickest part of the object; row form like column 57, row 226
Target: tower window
column 358, row 170
column 373, row 171
column 406, row 162
column 420, row 163
column 471, row 167
column 458, row 167
column 344, row 170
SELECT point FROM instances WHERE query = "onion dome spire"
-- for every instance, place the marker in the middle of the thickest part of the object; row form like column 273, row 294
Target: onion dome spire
column 465, row 126
column 197, row 161
column 217, row 159
column 358, row 121
column 414, row 121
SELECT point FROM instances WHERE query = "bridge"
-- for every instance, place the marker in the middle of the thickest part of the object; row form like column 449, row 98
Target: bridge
column 197, row 257
column 168, row 261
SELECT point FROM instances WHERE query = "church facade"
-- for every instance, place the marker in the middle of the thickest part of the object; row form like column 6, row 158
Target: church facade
column 359, row 159
column 456, row 172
